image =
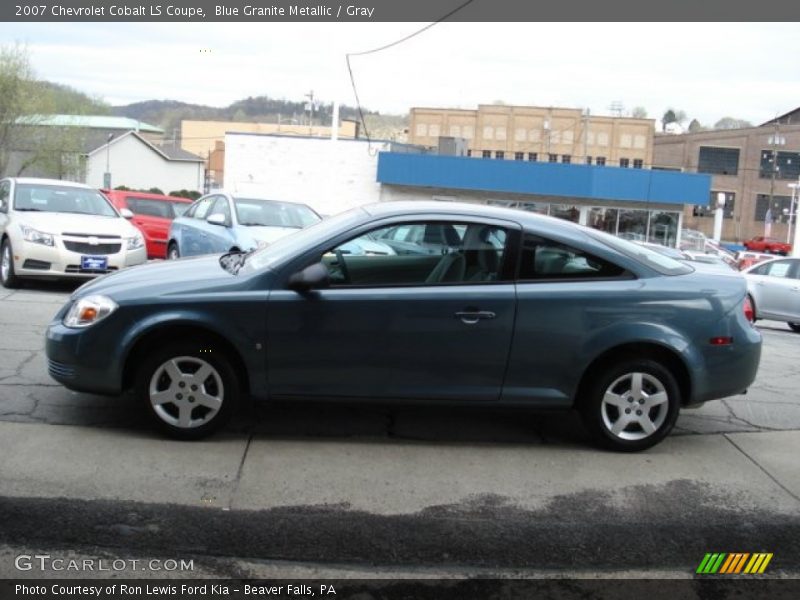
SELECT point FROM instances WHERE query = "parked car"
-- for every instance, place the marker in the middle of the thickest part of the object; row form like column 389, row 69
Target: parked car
column 529, row 311
column 774, row 289
column 745, row 259
column 221, row 222
column 59, row 229
column 152, row 215
column 692, row 239
column 768, row 245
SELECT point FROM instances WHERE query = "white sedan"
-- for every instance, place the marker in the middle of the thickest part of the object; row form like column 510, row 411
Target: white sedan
column 59, row 229
column 774, row 290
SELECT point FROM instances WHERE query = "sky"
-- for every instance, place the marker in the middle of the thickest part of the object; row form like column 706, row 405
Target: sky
column 709, row 70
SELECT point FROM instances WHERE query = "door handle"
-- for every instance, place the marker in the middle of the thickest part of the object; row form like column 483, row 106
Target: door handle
column 470, row 317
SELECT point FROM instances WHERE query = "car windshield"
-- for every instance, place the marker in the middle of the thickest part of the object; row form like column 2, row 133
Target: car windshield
column 659, row 262
column 269, row 213
column 61, row 199
column 291, row 245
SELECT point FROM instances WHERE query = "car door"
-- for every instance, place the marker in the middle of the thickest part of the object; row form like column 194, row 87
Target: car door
column 220, row 237
column 413, row 326
column 777, row 289
column 194, row 239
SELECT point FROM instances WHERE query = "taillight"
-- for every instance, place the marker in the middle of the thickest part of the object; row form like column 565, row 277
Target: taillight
column 749, row 313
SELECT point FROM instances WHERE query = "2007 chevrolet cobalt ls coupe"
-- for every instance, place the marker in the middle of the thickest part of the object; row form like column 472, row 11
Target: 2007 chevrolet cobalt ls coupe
column 516, row 309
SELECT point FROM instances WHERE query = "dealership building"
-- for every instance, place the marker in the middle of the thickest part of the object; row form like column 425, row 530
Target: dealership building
column 334, row 175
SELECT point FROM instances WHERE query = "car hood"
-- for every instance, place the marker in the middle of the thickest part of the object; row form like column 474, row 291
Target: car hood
column 162, row 278
column 59, row 223
column 268, row 234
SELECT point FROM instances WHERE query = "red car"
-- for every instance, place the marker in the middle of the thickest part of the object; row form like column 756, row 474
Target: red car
column 768, row 245
column 152, row 214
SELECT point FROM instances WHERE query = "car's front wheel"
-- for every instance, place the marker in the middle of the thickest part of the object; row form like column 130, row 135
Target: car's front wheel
column 632, row 404
column 188, row 390
column 7, row 276
column 794, row 327
column 172, row 252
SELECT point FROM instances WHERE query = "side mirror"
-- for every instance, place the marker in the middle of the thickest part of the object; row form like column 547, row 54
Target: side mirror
column 216, row 219
column 311, row 278
column 126, row 213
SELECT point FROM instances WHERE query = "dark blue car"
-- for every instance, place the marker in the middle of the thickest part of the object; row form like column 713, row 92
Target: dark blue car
column 516, row 310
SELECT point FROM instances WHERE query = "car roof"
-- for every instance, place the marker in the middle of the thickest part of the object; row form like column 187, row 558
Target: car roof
column 147, row 195
column 42, row 181
column 468, row 209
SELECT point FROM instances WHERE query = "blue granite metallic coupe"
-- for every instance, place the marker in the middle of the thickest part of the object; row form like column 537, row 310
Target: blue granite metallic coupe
column 514, row 309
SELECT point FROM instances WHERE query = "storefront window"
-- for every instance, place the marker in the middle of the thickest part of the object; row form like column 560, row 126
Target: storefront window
column 633, row 225
column 663, row 228
column 604, row 219
column 563, row 211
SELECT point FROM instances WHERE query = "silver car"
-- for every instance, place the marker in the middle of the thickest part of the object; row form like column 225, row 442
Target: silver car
column 774, row 290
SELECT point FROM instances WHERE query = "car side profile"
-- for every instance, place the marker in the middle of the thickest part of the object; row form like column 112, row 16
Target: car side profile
column 221, row 222
column 152, row 215
column 523, row 311
column 768, row 245
column 774, row 290
column 52, row 229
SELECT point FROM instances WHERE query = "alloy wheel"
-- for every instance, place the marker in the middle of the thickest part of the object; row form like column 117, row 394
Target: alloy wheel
column 186, row 392
column 634, row 406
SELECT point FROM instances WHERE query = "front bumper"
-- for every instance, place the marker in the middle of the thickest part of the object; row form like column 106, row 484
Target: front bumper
column 38, row 260
column 75, row 359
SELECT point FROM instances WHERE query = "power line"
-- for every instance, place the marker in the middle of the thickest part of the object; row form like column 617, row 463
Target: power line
column 385, row 47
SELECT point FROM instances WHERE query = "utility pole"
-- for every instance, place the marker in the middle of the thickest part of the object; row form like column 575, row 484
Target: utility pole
column 775, row 140
column 310, row 108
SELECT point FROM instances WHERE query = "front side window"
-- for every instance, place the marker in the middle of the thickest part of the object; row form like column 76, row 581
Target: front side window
column 419, row 253
column 221, row 207
column 61, row 199
column 546, row 259
column 201, row 209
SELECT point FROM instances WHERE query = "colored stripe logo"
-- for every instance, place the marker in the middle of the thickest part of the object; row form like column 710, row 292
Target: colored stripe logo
column 734, row 563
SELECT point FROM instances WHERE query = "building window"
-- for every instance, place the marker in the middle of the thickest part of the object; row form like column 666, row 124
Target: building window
column 552, row 157
column 778, row 208
column 566, row 212
column 486, row 154
column 422, row 130
column 624, row 163
column 727, row 211
column 533, row 156
column 719, row 161
column 788, row 165
column 469, row 152
column 601, row 161
column 638, row 163
column 588, row 160
column 500, row 155
column 488, row 133
column 663, row 228
column 566, row 159
column 604, row 219
column 519, row 155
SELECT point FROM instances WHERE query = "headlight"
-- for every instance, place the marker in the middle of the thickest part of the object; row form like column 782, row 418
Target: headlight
column 89, row 310
column 136, row 242
column 29, row 234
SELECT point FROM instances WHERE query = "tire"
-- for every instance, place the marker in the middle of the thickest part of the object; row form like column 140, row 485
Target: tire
column 7, row 276
column 173, row 253
column 794, row 327
column 181, row 403
column 613, row 392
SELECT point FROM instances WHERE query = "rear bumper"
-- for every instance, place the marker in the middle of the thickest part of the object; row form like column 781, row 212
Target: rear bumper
column 728, row 370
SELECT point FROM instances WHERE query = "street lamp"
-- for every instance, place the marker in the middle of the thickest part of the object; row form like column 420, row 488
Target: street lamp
column 792, row 214
column 107, row 174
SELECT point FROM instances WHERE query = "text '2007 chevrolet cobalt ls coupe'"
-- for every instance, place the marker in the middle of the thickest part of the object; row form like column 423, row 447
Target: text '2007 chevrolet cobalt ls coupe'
column 516, row 309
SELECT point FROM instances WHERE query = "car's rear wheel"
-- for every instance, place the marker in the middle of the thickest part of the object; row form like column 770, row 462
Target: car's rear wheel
column 7, row 276
column 794, row 327
column 632, row 405
column 188, row 390
column 172, row 251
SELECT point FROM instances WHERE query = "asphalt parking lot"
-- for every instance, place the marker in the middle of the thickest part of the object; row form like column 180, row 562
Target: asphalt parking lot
column 341, row 489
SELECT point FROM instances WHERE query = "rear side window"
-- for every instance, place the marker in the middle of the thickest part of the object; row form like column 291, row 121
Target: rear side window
column 149, row 207
column 547, row 259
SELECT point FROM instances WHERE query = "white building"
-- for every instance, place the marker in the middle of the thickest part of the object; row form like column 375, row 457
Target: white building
column 137, row 163
column 329, row 176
